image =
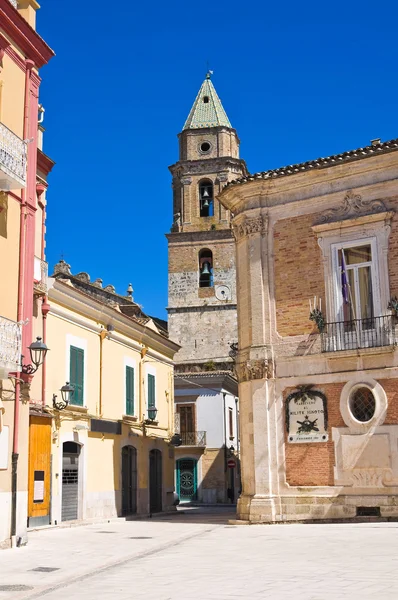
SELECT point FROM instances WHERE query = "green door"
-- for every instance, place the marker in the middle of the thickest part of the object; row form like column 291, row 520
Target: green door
column 187, row 482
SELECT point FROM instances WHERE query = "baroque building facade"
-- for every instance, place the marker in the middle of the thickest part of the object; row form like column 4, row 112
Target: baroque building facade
column 23, row 271
column 317, row 362
column 202, row 302
column 105, row 453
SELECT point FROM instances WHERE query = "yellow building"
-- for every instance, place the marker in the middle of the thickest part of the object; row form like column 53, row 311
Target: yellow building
column 22, row 269
column 108, row 450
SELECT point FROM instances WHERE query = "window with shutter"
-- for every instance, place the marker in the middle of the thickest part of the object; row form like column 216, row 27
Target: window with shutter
column 129, row 391
column 77, row 375
column 151, row 391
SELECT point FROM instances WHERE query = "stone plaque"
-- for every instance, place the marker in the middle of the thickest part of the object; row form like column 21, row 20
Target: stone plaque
column 306, row 416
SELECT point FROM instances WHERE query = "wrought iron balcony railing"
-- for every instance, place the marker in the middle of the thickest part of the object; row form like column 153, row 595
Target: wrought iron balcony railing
column 373, row 332
column 40, row 276
column 12, row 160
column 193, row 438
column 10, row 346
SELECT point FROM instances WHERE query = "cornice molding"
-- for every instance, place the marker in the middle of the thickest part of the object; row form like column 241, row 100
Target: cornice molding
column 44, row 162
column 23, row 35
column 73, row 300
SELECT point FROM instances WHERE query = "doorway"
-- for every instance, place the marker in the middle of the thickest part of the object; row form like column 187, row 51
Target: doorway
column 70, row 481
column 39, row 471
column 187, row 481
column 155, row 481
column 129, row 480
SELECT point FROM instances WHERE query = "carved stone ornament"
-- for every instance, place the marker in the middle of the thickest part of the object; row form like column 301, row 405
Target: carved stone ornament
column 84, row 277
column 186, row 180
column 222, row 177
column 62, row 267
column 352, row 206
column 249, row 226
column 110, row 288
column 253, row 369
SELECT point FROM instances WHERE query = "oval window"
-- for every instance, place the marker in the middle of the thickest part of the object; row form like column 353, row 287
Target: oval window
column 363, row 405
column 205, row 147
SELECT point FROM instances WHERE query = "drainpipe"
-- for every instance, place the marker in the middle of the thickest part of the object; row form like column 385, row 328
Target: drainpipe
column 45, row 309
column 225, row 444
column 20, row 316
column 102, row 336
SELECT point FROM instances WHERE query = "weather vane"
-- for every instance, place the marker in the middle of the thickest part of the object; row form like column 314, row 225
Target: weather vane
column 208, row 72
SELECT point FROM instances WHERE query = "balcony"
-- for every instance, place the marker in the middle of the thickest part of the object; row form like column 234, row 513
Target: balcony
column 10, row 346
column 12, row 160
column 194, row 438
column 40, row 275
column 374, row 332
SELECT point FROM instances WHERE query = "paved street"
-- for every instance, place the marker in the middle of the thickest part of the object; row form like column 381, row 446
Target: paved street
column 198, row 553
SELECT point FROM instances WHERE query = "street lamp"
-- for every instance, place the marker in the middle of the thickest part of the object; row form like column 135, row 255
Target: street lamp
column 67, row 392
column 38, row 351
column 152, row 412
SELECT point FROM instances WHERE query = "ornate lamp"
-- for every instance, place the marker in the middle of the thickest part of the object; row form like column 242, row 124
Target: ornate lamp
column 67, row 392
column 152, row 412
column 38, row 351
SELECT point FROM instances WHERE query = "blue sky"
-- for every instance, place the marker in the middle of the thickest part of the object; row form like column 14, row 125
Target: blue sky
column 298, row 81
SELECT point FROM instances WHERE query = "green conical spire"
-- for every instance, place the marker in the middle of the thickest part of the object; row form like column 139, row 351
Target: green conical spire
column 207, row 110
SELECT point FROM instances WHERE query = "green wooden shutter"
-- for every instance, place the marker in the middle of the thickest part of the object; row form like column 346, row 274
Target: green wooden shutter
column 151, row 391
column 129, row 391
column 77, row 374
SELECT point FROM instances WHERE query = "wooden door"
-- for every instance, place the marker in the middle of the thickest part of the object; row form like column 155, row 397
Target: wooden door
column 129, row 480
column 155, row 481
column 39, row 470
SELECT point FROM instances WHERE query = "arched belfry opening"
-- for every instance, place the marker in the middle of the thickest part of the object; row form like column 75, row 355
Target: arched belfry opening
column 205, row 268
column 206, row 198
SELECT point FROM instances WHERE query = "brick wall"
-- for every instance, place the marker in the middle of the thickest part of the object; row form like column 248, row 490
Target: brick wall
column 298, row 274
column 393, row 250
column 312, row 464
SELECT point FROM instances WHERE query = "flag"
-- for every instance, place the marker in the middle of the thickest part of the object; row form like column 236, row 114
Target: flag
column 344, row 280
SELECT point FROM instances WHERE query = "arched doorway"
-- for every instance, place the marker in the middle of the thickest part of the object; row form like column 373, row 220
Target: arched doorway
column 155, row 481
column 129, row 480
column 187, row 479
column 70, row 481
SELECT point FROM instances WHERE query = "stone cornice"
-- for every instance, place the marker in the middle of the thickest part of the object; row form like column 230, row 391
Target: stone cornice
column 208, row 165
column 44, row 162
column 253, row 369
column 198, row 236
column 23, row 35
column 84, row 305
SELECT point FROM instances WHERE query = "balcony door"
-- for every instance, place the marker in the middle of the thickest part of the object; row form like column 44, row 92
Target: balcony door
column 357, row 293
column 187, row 423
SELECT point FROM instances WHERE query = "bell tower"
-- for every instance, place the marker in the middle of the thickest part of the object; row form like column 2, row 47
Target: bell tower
column 202, row 276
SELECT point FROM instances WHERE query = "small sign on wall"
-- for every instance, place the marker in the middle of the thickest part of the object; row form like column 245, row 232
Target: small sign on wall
column 4, row 434
column 306, row 416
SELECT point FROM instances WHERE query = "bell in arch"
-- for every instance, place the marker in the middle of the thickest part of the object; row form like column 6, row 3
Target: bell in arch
column 206, row 268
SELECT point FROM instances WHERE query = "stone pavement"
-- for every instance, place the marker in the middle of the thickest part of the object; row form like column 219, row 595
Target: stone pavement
column 198, row 554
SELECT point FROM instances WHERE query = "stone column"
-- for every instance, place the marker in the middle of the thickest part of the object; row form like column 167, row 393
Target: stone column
column 255, row 371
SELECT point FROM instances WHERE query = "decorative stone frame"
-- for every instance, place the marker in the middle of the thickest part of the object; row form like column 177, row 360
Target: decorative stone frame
column 205, row 151
column 359, row 427
column 374, row 229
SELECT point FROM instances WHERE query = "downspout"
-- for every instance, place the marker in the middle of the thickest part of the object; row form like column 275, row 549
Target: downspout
column 21, row 284
column 102, row 336
column 225, row 444
column 45, row 309
column 237, row 441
